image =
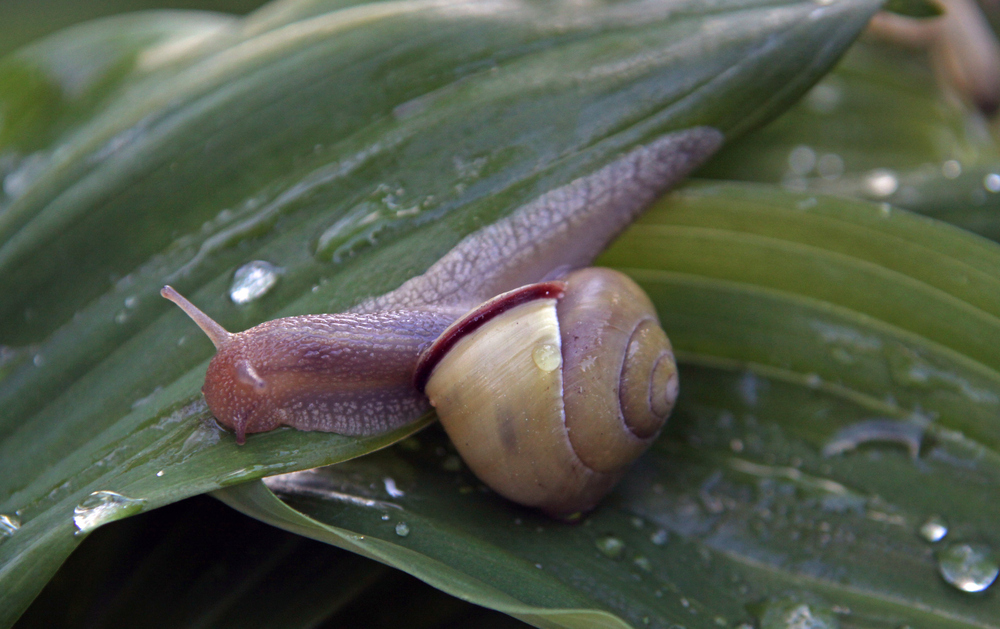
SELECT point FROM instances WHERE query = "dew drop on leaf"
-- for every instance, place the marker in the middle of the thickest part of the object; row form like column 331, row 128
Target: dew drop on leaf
column 788, row 613
column 934, row 529
column 610, row 546
column 9, row 524
column 402, row 529
column 968, row 567
column 102, row 507
column 252, row 281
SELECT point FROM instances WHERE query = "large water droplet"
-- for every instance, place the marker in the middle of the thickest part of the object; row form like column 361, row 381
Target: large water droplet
column 969, row 567
column 934, row 529
column 102, row 507
column 252, row 281
column 610, row 546
column 402, row 529
column 8, row 526
column 789, row 613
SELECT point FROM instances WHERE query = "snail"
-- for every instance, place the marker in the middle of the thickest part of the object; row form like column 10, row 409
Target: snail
column 549, row 382
column 549, row 391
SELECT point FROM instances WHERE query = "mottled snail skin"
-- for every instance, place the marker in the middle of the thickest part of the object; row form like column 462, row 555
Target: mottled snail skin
column 344, row 373
column 551, row 391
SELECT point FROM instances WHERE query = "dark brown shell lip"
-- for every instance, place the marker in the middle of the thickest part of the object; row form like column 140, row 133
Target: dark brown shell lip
column 475, row 319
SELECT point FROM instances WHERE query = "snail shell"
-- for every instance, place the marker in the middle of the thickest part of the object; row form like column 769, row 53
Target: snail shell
column 550, row 392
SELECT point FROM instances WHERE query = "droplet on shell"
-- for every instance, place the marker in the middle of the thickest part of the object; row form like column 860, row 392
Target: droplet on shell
column 547, row 357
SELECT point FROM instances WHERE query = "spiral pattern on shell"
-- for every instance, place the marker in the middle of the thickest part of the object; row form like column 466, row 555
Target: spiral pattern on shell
column 551, row 391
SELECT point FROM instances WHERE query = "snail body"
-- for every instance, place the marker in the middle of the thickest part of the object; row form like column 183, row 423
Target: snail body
column 549, row 391
column 345, row 373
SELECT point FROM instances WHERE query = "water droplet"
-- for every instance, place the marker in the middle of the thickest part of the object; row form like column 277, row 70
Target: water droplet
column 992, row 182
column 749, row 388
column 969, row 567
column 801, row 160
column 102, row 507
column 8, row 526
column 643, row 564
column 909, row 434
column 685, row 603
column 951, row 169
column 385, row 517
column 830, row 166
column 547, row 357
column 881, row 182
column 17, row 182
column 637, row 522
column 402, row 529
column 934, row 529
column 610, row 546
column 789, row 613
column 38, row 360
column 159, row 474
column 825, row 97
column 391, row 489
column 660, row 537
column 252, row 281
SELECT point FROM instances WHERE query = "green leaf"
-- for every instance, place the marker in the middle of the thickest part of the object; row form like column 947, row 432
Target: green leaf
column 880, row 108
column 879, row 127
column 62, row 81
column 918, row 9
column 839, row 389
column 348, row 145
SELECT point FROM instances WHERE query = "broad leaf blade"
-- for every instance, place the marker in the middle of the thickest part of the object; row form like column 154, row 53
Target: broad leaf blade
column 819, row 427
column 235, row 156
